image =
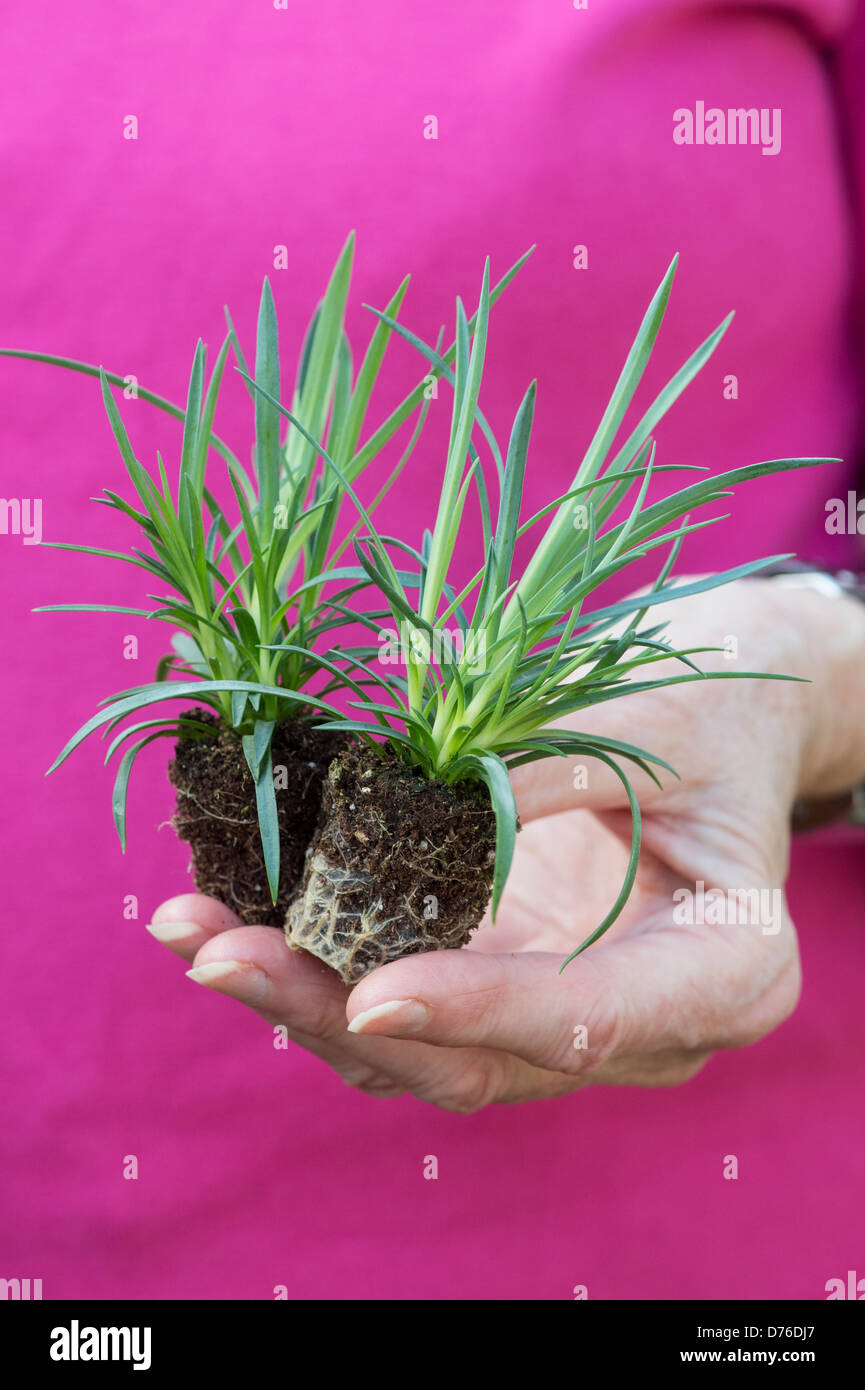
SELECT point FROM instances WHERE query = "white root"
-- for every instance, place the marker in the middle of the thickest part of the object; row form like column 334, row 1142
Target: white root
column 338, row 916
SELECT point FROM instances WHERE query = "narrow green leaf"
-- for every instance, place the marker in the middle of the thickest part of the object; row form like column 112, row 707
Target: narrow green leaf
column 192, row 419
column 267, row 443
column 512, row 493
column 121, row 784
column 181, row 690
column 633, row 858
column 368, row 375
column 490, row 769
column 168, row 407
column 261, row 766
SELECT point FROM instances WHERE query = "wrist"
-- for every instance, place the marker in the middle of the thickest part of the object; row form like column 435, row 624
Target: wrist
column 831, row 629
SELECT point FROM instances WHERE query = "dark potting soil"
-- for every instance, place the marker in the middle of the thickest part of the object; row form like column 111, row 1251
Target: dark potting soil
column 216, row 812
column 399, row 864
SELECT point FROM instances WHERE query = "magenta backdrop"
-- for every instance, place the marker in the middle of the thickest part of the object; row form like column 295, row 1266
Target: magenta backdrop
column 258, row 127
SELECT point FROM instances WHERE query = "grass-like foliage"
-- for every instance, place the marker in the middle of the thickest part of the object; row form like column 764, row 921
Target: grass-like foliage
column 497, row 673
column 547, row 654
column 246, row 591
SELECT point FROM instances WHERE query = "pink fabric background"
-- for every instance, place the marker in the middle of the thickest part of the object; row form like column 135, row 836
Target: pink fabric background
column 257, row 127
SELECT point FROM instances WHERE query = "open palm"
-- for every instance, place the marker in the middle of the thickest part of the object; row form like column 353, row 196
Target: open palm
column 647, row 1004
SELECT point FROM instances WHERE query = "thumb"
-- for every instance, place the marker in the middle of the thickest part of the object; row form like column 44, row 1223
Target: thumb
column 658, row 992
column 584, row 781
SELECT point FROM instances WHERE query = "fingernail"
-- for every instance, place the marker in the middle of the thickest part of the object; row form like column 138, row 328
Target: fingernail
column 173, row 933
column 238, row 978
column 396, row 1017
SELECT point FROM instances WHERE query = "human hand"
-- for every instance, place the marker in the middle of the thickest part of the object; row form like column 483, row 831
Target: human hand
column 656, row 996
